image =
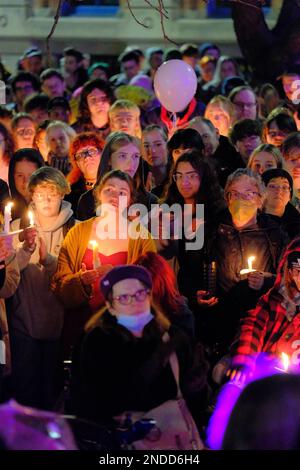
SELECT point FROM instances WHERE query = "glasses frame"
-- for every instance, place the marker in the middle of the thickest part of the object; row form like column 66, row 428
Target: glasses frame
column 130, row 297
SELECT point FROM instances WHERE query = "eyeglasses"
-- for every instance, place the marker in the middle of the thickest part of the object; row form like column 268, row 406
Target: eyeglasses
column 46, row 196
column 92, row 153
column 275, row 187
column 247, row 196
column 179, row 177
column 241, row 105
column 24, row 132
column 126, row 299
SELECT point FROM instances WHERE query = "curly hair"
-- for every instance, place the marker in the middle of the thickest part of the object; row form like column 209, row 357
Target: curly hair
column 209, row 193
column 99, row 84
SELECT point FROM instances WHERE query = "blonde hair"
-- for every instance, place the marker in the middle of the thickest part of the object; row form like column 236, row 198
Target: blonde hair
column 60, row 125
column 126, row 105
column 47, row 175
column 268, row 148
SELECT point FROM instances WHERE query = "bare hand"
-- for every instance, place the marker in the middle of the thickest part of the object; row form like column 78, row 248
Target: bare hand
column 89, row 276
column 206, row 303
column 6, row 247
column 29, row 235
column 256, row 280
column 237, row 375
column 42, row 251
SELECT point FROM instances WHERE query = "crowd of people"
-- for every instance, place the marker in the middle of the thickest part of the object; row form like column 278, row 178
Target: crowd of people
column 79, row 147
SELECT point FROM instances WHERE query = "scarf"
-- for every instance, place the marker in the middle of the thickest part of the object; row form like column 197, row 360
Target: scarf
column 290, row 305
column 167, row 120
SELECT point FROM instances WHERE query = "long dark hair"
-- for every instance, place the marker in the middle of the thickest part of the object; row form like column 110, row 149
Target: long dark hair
column 209, row 192
column 98, row 83
column 29, row 155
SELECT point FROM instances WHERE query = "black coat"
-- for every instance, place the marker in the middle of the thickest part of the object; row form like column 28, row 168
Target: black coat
column 113, row 371
column 289, row 222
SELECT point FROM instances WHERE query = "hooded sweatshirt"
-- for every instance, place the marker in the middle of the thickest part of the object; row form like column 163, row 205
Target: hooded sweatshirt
column 36, row 311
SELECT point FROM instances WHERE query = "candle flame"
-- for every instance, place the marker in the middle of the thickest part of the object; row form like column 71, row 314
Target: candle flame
column 9, row 205
column 31, row 218
column 285, row 361
column 250, row 262
column 93, row 244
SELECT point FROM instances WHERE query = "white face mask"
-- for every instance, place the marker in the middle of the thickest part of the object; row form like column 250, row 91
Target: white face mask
column 135, row 323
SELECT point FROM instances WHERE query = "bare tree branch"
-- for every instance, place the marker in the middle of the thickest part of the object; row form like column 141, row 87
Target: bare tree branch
column 138, row 22
column 56, row 19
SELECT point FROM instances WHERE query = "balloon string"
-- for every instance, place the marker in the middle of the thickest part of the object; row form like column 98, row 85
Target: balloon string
column 174, row 119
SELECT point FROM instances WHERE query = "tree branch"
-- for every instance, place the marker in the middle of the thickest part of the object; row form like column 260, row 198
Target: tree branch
column 56, row 19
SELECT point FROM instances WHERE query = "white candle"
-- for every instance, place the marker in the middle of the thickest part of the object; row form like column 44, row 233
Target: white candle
column 7, row 216
column 31, row 219
column 285, row 361
column 249, row 269
column 96, row 260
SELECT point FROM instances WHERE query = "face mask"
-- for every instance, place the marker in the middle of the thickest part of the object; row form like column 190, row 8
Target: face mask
column 135, row 323
column 242, row 211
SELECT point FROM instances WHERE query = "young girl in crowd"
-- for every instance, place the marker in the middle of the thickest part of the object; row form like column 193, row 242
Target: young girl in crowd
column 121, row 152
column 59, row 137
column 265, row 157
column 21, row 166
column 23, row 129
column 76, row 281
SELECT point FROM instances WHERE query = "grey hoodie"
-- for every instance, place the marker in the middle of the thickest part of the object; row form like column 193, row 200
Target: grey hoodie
column 36, row 311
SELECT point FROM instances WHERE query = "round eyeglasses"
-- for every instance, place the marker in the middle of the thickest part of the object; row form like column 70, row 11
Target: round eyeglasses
column 138, row 296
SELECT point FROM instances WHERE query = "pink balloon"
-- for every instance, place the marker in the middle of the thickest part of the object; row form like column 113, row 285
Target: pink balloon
column 175, row 84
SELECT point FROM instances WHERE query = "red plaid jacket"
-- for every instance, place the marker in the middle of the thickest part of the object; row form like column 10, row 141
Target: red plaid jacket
column 267, row 324
column 261, row 329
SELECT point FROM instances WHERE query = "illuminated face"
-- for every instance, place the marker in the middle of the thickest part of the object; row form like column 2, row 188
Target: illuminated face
column 113, row 189
column 47, row 200
column 126, row 159
column 262, row 162
column 246, row 146
column 245, row 105
column 33, row 65
column 98, row 102
column 207, row 71
column 187, row 180
column 154, row 148
column 243, row 198
column 24, row 133
column 293, row 165
column 138, row 305
column 290, row 85
column 58, row 141
column 274, row 135
column 125, row 121
column 218, row 117
column 22, row 173
column 54, row 87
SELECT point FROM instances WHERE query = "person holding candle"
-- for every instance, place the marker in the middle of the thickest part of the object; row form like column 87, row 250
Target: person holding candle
column 23, row 163
column 244, row 232
column 36, row 317
column 273, row 326
column 9, row 280
column 76, row 282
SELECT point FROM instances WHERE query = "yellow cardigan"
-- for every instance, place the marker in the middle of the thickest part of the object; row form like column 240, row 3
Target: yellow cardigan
column 66, row 282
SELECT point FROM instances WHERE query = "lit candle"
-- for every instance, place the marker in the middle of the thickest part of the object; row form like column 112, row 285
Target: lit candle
column 7, row 216
column 31, row 219
column 96, row 260
column 285, row 361
column 249, row 269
